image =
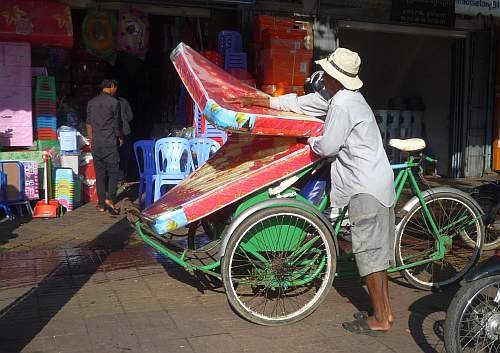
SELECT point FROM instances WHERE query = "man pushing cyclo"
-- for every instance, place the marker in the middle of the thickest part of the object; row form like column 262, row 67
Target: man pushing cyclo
column 361, row 175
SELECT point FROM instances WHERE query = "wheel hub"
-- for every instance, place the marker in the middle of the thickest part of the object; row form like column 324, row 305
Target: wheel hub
column 447, row 243
column 277, row 264
column 492, row 327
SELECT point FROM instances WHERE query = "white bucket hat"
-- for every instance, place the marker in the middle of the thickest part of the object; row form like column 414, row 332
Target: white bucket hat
column 343, row 65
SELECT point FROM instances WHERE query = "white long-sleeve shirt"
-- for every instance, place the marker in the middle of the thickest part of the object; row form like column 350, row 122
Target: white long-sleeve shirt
column 352, row 137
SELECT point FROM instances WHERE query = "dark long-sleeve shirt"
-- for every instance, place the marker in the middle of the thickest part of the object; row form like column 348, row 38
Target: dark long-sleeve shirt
column 104, row 115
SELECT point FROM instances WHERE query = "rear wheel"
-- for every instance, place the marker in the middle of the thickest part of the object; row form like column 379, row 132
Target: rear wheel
column 456, row 218
column 488, row 202
column 278, row 265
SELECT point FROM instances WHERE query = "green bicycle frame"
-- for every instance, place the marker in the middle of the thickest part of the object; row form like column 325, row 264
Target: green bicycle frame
column 404, row 176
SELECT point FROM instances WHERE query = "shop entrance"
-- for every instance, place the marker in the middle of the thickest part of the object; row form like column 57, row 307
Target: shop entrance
column 425, row 71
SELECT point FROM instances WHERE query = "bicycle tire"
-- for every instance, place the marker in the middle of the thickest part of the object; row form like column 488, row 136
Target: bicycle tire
column 487, row 201
column 459, row 319
column 413, row 236
column 233, row 264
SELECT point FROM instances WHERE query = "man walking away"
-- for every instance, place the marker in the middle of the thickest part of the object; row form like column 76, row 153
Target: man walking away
column 126, row 150
column 104, row 129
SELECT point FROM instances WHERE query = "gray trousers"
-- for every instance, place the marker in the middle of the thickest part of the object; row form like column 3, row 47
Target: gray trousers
column 373, row 233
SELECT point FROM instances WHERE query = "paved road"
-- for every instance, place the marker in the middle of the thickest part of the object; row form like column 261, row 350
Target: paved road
column 85, row 283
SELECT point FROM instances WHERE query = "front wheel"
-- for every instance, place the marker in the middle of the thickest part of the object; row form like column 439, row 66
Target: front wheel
column 278, row 265
column 418, row 249
column 473, row 318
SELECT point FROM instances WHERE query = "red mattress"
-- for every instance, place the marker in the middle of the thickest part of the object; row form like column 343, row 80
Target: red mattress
column 209, row 85
column 242, row 166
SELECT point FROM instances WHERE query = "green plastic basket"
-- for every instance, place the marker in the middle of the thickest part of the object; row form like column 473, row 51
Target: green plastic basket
column 47, row 145
column 49, row 92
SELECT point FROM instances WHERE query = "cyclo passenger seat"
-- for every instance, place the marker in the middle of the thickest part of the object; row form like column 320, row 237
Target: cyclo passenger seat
column 408, row 145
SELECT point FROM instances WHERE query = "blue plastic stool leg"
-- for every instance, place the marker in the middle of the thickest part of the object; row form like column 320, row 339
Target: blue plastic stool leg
column 150, row 186
column 141, row 186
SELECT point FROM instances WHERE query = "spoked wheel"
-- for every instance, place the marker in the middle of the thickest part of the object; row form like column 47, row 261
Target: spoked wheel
column 473, row 318
column 456, row 218
column 278, row 265
column 488, row 202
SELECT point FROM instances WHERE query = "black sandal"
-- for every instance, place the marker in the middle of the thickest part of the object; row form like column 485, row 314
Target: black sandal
column 113, row 211
column 360, row 315
column 361, row 327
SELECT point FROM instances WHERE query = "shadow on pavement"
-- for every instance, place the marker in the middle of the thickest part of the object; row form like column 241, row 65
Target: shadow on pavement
column 7, row 227
column 24, row 318
column 426, row 320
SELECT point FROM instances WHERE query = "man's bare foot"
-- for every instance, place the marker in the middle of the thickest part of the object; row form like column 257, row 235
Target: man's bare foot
column 364, row 315
column 390, row 317
column 378, row 325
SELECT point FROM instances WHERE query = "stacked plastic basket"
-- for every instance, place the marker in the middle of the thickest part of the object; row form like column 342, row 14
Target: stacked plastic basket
column 45, row 107
column 68, row 188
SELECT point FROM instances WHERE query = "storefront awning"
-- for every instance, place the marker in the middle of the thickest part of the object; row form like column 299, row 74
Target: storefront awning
column 37, row 22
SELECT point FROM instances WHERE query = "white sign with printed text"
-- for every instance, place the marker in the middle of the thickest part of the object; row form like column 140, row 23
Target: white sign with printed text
column 475, row 7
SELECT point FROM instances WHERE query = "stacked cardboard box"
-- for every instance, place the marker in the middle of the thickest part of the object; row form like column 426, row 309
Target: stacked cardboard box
column 282, row 56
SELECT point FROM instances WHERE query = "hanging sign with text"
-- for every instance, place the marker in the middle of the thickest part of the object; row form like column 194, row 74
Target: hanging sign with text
column 475, row 7
column 426, row 12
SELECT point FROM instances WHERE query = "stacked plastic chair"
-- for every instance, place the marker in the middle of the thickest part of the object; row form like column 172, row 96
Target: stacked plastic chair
column 206, row 130
column 231, row 48
column 174, row 162
column 202, row 149
column 45, row 108
column 144, row 151
column 64, row 188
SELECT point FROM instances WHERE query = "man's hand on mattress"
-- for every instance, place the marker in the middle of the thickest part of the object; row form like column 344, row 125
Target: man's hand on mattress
column 249, row 101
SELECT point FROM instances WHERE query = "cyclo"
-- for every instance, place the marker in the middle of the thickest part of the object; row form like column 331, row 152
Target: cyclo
column 262, row 201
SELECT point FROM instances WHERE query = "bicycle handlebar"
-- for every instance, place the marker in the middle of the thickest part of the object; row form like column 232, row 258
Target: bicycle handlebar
column 428, row 159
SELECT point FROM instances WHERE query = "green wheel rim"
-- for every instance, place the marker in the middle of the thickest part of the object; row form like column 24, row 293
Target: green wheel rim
column 280, row 266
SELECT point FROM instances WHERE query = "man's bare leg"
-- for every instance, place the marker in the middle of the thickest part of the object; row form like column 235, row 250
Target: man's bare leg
column 387, row 303
column 376, row 290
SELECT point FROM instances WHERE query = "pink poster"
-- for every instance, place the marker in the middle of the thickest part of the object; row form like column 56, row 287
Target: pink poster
column 133, row 32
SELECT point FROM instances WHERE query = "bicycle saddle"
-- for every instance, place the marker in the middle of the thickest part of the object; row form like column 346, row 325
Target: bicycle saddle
column 409, row 145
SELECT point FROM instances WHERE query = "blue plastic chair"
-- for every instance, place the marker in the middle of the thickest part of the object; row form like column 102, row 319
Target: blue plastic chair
column 3, row 196
column 16, row 197
column 235, row 60
column 173, row 162
column 210, row 131
column 144, row 151
column 229, row 41
column 202, row 149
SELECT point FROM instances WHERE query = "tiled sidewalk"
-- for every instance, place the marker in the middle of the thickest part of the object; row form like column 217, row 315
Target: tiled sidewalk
column 85, row 283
